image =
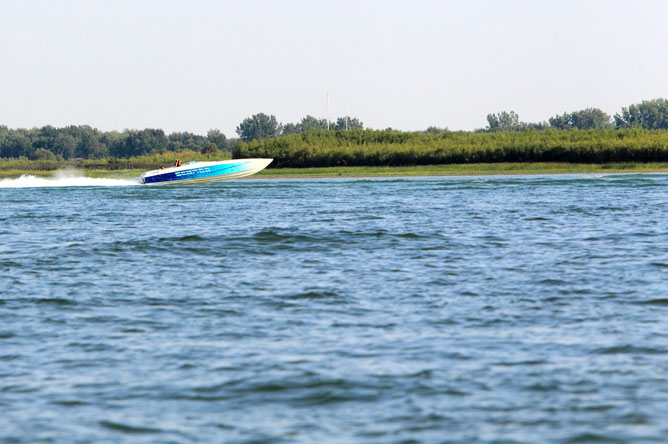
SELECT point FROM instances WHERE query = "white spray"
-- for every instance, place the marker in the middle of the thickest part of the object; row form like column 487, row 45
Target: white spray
column 65, row 178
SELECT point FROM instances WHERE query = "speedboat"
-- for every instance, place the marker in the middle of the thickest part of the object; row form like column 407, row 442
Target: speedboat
column 203, row 172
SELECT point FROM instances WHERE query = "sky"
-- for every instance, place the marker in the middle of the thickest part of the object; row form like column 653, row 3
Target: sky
column 199, row 65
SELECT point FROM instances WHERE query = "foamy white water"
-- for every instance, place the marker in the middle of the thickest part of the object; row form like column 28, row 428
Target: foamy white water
column 64, row 180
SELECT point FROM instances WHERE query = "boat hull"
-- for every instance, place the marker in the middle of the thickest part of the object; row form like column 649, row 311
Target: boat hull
column 205, row 172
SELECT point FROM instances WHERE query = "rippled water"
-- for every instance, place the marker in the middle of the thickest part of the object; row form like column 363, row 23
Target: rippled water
column 494, row 310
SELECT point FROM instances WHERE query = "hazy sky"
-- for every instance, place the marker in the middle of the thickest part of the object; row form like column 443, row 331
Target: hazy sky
column 197, row 65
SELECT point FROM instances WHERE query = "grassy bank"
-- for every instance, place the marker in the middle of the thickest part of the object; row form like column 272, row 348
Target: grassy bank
column 467, row 170
column 418, row 170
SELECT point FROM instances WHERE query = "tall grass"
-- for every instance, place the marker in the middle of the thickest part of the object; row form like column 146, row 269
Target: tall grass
column 395, row 148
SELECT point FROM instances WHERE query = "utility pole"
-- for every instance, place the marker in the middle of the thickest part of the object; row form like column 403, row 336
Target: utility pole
column 328, row 110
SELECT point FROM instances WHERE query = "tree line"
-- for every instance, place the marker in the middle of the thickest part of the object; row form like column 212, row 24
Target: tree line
column 649, row 114
column 84, row 142
column 263, row 133
column 262, row 125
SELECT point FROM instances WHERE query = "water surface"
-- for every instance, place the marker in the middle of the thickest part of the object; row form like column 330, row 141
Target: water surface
column 471, row 309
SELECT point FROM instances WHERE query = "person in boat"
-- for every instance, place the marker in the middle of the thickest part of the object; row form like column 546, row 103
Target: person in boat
column 162, row 167
column 177, row 163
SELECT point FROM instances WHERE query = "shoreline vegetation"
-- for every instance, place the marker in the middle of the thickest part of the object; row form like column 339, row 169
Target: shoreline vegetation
column 366, row 148
column 585, row 141
column 355, row 153
column 478, row 169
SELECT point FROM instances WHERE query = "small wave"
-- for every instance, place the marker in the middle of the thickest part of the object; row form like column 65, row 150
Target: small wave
column 69, row 403
column 552, row 282
column 658, row 301
column 543, row 387
column 187, row 238
column 521, row 363
column 64, row 180
column 126, row 428
column 314, row 295
column 629, row 349
column 590, row 437
column 55, row 301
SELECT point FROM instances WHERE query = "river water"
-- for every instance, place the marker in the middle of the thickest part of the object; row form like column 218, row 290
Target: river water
column 405, row 310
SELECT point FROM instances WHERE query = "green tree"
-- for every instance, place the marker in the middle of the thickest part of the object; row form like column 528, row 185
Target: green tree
column 435, row 130
column 232, row 143
column 504, row 121
column 348, row 122
column 43, row 154
column 89, row 147
column 292, row 128
column 217, row 138
column 110, row 140
column 186, row 141
column 310, row 123
column 258, row 126
column 210, row 148
column 589, row 118
column 649, row 114
column 45, row 138
column 539, row 126
column 562, row 122
column 15, row 145
column 141, row 142
column 4, row 133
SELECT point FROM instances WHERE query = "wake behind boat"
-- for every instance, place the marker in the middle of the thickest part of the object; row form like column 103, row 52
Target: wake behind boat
column 203, row 172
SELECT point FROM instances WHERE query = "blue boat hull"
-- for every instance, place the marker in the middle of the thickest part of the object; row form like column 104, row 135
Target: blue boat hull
column 202, row 172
